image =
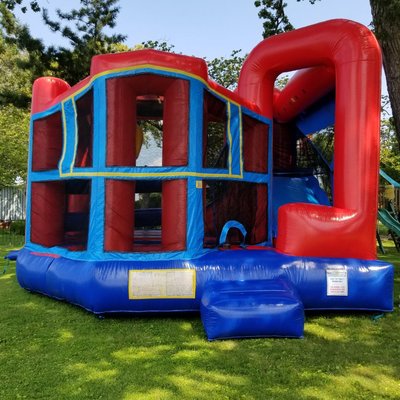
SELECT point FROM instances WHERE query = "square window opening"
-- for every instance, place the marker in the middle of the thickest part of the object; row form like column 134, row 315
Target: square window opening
column 244, row 202
column 149, row 130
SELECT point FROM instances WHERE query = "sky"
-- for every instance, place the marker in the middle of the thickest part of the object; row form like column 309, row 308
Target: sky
column 205, row 28
column 202, row 28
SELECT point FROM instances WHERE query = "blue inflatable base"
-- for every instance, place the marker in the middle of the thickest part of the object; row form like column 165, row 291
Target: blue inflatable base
column 109, row 286
column 248, row 309
column 12, row 255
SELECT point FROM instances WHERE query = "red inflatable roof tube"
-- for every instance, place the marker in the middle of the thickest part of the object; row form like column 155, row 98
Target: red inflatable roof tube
column 106, row 62
column 48, row 91
column 303, row 89
column 348, row 228
column 45, row 90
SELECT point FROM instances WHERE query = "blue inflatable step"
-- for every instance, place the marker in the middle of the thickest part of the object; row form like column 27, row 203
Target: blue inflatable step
column 245, row 309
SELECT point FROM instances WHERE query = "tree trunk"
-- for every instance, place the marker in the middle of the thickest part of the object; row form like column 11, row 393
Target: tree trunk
column 386, row 20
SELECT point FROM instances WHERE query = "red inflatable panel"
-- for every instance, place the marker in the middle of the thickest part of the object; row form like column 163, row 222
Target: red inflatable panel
column 303, row 89
column 71, row 91
column 259, row 232
column 176, row 124
column 47, row 142
column 119, row 215
column 47, row 215
column 174, row 206
column 284, row 153
column 78, row 203
column 348, row 228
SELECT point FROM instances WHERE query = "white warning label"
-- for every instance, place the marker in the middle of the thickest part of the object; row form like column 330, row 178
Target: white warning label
column 162, row 284
column 336, row 282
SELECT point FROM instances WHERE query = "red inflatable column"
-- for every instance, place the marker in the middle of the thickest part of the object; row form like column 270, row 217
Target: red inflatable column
column 119, row 215
column 121, row 123
column 121, row 151
column 173, row 235
column 78, row 203
column 175, row 153
column 259, row 232
column 45, row 90
column 176, row 123
column 47, row 213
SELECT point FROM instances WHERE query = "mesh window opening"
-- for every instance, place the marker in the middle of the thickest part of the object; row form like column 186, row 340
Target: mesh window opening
column 84, row 108
column 149, row 130
column 215, row 145
column 255, row 143
column 295, row 155
column 308, row 159
column 244, row 202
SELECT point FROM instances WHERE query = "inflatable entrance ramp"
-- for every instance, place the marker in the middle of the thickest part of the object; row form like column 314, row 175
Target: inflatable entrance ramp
column 242, row 309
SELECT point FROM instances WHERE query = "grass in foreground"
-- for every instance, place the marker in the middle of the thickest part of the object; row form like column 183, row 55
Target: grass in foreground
column 53, row 350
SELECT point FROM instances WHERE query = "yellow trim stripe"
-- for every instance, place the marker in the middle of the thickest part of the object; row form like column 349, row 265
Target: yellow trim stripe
column 152, row 67
column 71, row 168
column 151, row 174
column 64, row 122
column 164, row 174
column 230, row 139
column 241, row 142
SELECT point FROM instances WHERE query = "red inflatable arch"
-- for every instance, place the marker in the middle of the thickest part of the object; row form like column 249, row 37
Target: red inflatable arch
column 353, row 52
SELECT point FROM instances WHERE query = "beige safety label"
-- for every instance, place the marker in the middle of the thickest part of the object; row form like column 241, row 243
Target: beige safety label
column 162, row 284
column 336, row 282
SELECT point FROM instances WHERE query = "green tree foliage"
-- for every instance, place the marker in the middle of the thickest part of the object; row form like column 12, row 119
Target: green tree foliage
column 156, row 45
column 225, row 71
column 84, row 28
column 23, row 58
column 15, row 89
column 273, row 14
column 386, row 21
column 14, row 123
column 36, row 60
column 15, row 83
column 87, row 37
column 12, row 4
column 390, row 155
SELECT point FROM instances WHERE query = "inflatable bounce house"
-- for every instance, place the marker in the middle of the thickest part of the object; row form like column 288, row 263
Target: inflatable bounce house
column 240, row 217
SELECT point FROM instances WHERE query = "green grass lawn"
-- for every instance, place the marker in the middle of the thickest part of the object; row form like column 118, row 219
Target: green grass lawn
column 53, row 350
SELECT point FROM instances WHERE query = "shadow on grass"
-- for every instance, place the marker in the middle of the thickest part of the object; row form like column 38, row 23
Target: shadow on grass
column 50, row 349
